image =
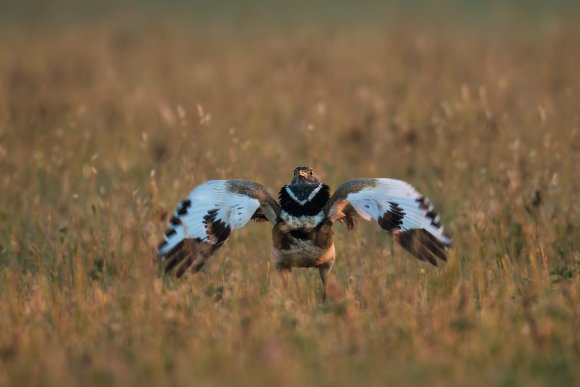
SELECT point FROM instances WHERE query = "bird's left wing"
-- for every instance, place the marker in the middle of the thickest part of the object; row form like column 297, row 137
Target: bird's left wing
column 398, row 208
column 203, row 221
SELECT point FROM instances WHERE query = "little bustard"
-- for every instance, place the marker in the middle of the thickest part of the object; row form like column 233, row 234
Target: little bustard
column 302, row 220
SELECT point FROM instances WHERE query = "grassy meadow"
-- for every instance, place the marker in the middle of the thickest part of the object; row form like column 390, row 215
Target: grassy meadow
column 104, row 126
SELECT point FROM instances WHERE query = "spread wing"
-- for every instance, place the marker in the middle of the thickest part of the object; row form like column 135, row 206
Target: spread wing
column 203, row 221
column 398, row 208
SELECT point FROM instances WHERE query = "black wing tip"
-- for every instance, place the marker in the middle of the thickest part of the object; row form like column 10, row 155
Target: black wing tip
column 423, row 245
column 188, row 253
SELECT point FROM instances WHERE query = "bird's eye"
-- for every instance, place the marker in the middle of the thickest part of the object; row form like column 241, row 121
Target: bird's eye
column 310, row 173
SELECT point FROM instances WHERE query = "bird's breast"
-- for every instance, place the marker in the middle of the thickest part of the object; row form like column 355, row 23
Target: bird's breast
column 302, row 247
column 302, row 221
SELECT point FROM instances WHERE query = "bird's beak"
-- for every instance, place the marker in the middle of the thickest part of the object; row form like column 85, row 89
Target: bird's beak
column 303, row 174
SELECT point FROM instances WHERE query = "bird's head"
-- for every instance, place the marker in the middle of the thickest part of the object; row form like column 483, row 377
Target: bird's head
column 305, row 175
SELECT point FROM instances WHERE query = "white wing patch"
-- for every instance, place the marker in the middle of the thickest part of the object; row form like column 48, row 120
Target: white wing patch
column 411, row 209
column 208, row 205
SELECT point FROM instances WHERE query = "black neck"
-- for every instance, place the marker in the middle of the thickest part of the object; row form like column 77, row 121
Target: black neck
column 301, row 192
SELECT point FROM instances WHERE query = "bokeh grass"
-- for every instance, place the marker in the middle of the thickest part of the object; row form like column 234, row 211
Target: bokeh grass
column 105, row 126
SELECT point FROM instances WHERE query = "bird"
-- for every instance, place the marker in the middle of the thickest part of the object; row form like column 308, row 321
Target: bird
column 302, row 220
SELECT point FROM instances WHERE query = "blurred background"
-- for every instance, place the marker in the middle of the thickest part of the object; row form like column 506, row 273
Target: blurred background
column 110, row 112
column 302, row 12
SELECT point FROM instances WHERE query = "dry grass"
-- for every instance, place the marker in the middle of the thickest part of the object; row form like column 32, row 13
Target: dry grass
column 103, row 128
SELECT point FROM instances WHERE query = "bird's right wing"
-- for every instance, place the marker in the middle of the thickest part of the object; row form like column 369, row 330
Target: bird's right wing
column 203, row 221
column 398, row 208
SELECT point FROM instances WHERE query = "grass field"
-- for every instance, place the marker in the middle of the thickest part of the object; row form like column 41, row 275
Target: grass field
column 104, row 126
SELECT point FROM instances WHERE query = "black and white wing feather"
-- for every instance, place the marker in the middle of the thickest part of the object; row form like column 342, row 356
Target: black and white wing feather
column 398, row 208
column 203, row 221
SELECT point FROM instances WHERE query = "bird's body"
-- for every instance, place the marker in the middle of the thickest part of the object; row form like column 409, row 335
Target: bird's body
column 302, row 222
column 302, row 238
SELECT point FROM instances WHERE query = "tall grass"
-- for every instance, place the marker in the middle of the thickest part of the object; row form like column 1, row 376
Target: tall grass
column 104, row 127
